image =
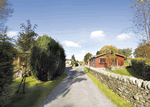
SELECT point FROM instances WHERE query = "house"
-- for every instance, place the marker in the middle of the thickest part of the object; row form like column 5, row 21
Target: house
column 101, row 60
column 68, row 62
column 18, row 60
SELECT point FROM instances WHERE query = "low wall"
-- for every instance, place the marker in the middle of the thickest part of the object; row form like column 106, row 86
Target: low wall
column 134, row 91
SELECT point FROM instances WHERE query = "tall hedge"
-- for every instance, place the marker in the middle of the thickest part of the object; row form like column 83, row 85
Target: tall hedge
column 7, row 52
column 46, row 58
column 141, row 67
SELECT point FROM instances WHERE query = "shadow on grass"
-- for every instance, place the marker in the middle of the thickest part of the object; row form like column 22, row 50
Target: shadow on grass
column 37, row 93
column 133, row 73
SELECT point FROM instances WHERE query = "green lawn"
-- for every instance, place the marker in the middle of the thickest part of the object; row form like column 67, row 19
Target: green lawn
column 127, row 72
column 120, row 102
column 35, row 93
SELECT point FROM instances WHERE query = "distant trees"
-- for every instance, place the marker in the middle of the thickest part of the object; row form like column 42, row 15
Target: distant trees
column 126, row 52
column 5, row 12
column 107, row 48
column 113, row 49
column 73, row 58
column 74, row 61
column 47, row 59
column 143, row 50
column 86, row 57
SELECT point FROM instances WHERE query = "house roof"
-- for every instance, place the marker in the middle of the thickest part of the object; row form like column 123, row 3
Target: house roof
column 94, row 56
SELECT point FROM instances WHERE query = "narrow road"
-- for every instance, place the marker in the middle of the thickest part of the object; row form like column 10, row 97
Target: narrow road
column 77, row 90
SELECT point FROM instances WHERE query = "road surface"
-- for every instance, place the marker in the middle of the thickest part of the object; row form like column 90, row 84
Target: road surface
column 77, row 90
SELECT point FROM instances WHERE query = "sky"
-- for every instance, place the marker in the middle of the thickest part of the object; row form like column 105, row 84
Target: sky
column 81, row 26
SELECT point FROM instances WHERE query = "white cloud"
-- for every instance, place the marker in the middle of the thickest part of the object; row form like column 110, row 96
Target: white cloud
column 12, row 34
column 82, row 51
column 71, row 44
column 123, row 36
column 97, row 35
column 79, row 57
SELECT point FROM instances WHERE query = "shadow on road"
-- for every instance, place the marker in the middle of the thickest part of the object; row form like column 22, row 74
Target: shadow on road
column 64, row 88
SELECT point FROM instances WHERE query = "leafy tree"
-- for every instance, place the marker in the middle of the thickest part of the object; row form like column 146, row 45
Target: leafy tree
column 5, row 12
column 7, row 52
column 27, row 36
column 24, row 41
column 98, row 52
column 107, row 48
column 47, row 58
column 86, row 57
column 141, row 18
column 126, row 52
column 120, row 51
column 73, row 58
column 143, row 50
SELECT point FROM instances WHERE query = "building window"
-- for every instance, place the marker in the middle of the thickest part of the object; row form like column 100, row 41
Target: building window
column 102, row 60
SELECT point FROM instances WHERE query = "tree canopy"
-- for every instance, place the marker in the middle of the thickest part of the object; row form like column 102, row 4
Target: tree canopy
column 86, row 57
column 47, row 58
column 143, row 50
column 26, row 37
column 107, row 48
column 141, row 18
column 5, row 12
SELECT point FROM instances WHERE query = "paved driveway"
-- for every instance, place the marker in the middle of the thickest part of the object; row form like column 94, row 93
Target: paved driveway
column 77, row 90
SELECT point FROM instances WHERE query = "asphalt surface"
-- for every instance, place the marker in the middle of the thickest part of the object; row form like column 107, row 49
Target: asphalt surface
column 77, row 90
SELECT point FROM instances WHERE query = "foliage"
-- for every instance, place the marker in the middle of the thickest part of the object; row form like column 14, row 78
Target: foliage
column 7, row 52
column 141, row 66
column 5, row 12
column 109, row 49
column 143, row 50
column 86, row 57
column 26, row 37
column 73, row 58
column 141, row 18
column 98, row 52
column 47, row 58
column 126, row 52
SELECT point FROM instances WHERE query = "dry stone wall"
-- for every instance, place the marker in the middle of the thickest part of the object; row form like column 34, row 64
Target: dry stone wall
column 134, row 91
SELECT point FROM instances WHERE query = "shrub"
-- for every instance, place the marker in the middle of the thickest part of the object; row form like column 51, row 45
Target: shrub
column 6, row 64
column 140, row 66
column 47, row 59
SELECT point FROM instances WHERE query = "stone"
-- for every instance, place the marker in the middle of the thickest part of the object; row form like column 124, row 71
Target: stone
column 139, row 83
column 148, row 85
column 136, row 97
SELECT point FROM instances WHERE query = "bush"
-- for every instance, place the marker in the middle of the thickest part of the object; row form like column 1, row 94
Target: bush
column 47, row 59
column 6, row 64
column 140, row 66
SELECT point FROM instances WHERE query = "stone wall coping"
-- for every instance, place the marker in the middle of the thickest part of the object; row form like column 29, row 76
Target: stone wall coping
column 131, row 80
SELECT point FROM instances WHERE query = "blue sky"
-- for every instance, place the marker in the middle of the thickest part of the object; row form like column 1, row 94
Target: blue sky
column 81, row 26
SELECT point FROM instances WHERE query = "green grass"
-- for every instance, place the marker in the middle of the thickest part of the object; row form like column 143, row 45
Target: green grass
column 120, row 102
column 127, row 72
column 35, row 93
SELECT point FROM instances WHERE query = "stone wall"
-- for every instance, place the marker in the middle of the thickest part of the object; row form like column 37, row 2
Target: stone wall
column 134, row 91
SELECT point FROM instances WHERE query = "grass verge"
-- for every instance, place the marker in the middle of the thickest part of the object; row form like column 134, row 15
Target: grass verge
column 120, row 102
column 128, row 72
column 35, row 92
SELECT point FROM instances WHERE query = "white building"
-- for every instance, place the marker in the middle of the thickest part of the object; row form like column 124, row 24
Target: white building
column 68, row 62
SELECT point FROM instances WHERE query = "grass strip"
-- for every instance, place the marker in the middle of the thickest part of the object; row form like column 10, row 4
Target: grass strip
column 35, row 92
column 127, row 71
column 120, row 102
